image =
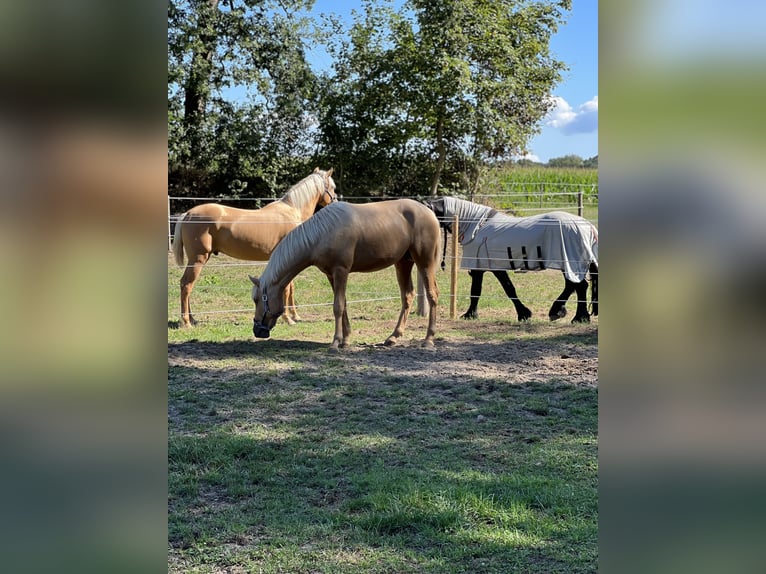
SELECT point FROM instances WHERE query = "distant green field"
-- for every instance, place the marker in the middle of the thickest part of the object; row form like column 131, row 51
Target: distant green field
column 529, row 190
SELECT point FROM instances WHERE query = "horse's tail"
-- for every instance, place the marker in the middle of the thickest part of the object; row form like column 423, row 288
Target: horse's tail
column 594, row 288
column 178, row 242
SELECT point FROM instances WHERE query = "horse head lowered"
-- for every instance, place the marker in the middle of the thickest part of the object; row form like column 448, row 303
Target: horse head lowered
column 267, row 311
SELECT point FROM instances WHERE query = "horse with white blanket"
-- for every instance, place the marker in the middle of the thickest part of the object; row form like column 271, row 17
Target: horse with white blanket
column 493, row 241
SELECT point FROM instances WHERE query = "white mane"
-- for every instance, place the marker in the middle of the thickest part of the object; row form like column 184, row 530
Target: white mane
column 301, row 240
column 305, row 190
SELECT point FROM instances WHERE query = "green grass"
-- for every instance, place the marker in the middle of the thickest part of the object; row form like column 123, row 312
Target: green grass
column 286, row 458
column 303, row 468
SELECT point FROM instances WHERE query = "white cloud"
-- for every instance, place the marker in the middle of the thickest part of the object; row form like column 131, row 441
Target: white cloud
column 570, row 121
column 528, row 156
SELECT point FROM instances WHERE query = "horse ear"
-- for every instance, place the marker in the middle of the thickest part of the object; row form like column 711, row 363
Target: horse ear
column 255, row 280
column 316, row 169
column 329, row 172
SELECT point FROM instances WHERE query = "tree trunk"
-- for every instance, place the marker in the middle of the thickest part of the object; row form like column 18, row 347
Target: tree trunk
column 197, row 86
column 441, row 157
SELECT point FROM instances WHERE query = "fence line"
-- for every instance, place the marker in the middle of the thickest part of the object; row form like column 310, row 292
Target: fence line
column 378, row 197
column 353, row 199
column 516, row 198
column 486, row 299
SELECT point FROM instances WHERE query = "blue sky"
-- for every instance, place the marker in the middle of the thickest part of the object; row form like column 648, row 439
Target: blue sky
column 572, row 127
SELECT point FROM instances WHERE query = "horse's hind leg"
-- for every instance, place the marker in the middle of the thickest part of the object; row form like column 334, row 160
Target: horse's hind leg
column 428, row 277
column 582, row 315
column 407, row 291
column 522, row 311
column 188, row 279
column 293, row 302
column 558, row 309
column 477, row 279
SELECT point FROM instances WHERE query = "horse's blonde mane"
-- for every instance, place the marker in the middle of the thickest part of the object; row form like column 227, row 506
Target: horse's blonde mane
column 302, row 240
column 304, row 191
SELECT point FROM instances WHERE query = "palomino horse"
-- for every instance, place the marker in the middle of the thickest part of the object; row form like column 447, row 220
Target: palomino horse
column 345, row 238
column 493, row 241
column 246, row 233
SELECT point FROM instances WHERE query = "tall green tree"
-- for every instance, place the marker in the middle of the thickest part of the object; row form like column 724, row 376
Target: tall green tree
column 238, row 89
column 453, row 82
column 366, row 122
column 571, row 160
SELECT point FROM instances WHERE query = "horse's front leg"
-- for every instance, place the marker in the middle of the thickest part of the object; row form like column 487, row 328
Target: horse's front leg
column 407, row 292
column 522, row 311
column 582, row 315
column 342, row 324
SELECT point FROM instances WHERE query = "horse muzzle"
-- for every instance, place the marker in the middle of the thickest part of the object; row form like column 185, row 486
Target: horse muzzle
column 261, row 331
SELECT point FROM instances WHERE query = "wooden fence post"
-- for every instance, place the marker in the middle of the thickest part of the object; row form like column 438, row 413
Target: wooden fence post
column 453, row 279
column 579, row 203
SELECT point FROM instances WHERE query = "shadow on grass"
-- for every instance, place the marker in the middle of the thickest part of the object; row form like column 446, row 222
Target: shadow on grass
column 234, row 349
column 441, row 471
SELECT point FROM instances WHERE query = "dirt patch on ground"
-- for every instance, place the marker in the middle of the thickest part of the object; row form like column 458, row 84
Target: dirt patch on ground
column 512, row 353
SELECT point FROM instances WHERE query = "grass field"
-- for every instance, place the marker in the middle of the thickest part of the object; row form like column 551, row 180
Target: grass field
column 477, row 456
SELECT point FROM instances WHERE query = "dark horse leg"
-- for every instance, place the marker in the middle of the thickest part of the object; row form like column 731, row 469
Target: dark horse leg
column 558, row 310
column 594, row 288
column 477, row 279
column 582, row 316
column 522, row 312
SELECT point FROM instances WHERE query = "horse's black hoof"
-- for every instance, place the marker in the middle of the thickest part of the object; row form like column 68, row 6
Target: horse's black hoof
column 556, row 315
column 469, row 316
column 581, row 319
column 525, row 315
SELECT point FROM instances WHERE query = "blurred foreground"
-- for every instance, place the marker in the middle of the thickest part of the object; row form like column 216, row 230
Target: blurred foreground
column 83, row 222
column 682, row 333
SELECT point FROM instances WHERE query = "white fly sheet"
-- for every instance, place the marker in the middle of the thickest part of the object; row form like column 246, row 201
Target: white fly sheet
column 492, row 240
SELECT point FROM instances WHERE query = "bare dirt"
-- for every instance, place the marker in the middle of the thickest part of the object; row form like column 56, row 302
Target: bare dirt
column 513, row 352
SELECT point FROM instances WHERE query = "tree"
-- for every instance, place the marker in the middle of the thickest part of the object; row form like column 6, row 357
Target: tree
column 454, row 82
column 219, row 48
column 571, row 160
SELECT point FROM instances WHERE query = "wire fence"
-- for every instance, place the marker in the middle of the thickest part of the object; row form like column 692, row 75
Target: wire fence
column 492, row 299
column 579, row 198
column 534, row 197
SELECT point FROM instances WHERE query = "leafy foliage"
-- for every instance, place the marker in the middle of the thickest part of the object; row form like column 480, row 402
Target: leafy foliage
column 239, row 90
column 418, row 101
column 444, row 86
